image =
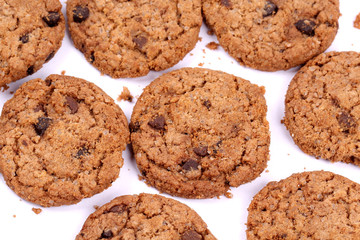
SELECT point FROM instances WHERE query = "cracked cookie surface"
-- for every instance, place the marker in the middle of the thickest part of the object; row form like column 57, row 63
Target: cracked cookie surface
column 30, row 34
column 308, row 205
column 322, row 107
column 197, row 132
column 129, row 38
column 61, row 140
column 273, row 35
column 144, row 216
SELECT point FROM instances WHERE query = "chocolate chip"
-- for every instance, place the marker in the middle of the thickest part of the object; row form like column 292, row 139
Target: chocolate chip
column 191, row 235
column 30, row 70
column 270, row 9
column 24, row 143
column 82, row 152
column 72, row 103
column 158, row 123
column 80, row 14
column 207, row 104
column 51, row 55
column 116, row 209
column 134, row 127
column 201, row 151
column 346, row 121
column 219, row 143
column 42, row 124
column 226, row 3
column 92, row 57
column 52, row 19
column 191, row 164
column 107, row 234
column 306, row 26
column 24, row 38
column 140, row 41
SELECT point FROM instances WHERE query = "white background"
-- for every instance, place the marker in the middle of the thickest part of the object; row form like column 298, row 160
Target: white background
column 226, row 217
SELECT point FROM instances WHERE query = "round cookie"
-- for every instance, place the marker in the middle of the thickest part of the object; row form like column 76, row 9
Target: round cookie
column 61, row 140
column 197, row 132
column 30, row 34
column 308, row 205
column 144, row 216
column 130, row 38
column 322, row 107
column 273, row 35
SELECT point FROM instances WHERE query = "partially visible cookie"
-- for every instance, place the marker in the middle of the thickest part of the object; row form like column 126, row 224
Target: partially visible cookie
column 144, row 216
column 273, row 35
column 197, row 132
column 61, row 140
column 308, row 205
column 30, row 34
column 130, row 38
column 322, row 107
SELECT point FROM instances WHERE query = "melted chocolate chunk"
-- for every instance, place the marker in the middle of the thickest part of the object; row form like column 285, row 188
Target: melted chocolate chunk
column 30, row 70
column 134, row 127
column 72, row 103
column 190, row 165
column 158, row 123
column 201, row 151
column 80, row 14
column 226, row 3
column 346, row 122
column 51, row 55
column 107, row 234
column 207, row 104
column 24, row 38
column 52, row 19
column 306, row 26
column 42, row 124
column 116, row 209
column 39, row 107
column 191, row 235
column 140, row 41
column 270, row 9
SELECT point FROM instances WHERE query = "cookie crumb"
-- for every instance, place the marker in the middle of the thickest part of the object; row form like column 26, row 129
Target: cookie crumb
column 200, row 39
column 210, row 32
column 14, row 216
column 125, row 95
column 96, row 207
column 63, row 72
column 201, row 64
column 36, row 210
column 191, row 54
column 267, row 171
column 212, row 45
column 204, row 51
column 357, row 22
column 228, row 195
column 4, row 88
column 282, row 121
column 12, row 92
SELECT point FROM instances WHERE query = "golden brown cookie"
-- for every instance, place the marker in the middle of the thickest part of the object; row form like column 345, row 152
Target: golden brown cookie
column 30, row 34
column 196, row 132
column 144, row 216
column 61, row 140
column 322, row 107
column 273, row 35
column 308, row 205
column 130, row 38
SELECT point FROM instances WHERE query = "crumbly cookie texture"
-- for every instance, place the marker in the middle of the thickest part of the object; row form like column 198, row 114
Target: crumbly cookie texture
column 61, row 140
column 196, row 132
column 30, row 34
column 145, row 216
column 273, row 35
column 322, row 109
column 129, row 38
column 308, row 205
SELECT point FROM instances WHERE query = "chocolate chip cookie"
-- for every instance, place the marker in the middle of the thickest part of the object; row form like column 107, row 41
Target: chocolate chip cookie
column 197, row 132
column 30, row 34
column 273, row 35
column 144, row 216
column 61, row 140
column 322, row 107
column 308, row 205
column 130, row 38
